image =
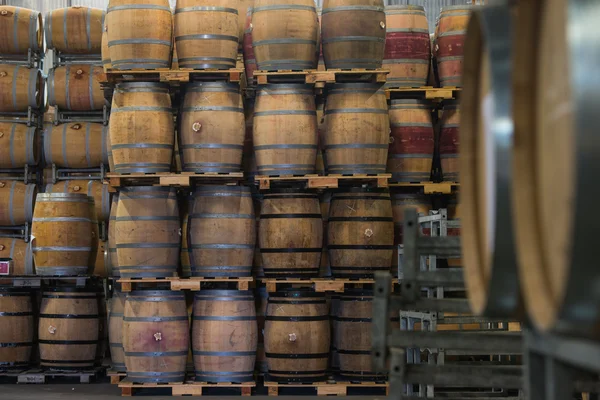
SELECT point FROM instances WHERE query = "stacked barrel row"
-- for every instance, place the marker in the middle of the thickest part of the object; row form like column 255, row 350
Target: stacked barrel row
column 70, row 328
column 151, row 338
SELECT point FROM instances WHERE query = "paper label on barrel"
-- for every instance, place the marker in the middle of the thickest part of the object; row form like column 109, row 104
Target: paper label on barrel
column 487, row 111
column 5, row 267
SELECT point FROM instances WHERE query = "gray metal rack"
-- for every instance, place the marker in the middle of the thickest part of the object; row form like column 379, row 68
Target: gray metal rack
column 402, row 348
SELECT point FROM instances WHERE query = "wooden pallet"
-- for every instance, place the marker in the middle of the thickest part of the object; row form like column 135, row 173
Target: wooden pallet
column 115, row 376
column 37, row 375
column 338, row 285
column 311, row 76
column 35, row 281
column 329, row 388
column 173, row 76
column 172, row 179
column 184, row 389
column 176, row 283
column 314, row 181
column 424, row 92
column 427, row 187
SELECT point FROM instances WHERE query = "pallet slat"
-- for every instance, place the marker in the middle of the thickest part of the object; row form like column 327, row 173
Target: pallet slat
column 175, row 76
column 176, row 283
column 323, row 181
column 185, row 389
column 311, row 76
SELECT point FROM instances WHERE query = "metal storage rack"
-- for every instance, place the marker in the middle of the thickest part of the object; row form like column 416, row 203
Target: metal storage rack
column 403, row 347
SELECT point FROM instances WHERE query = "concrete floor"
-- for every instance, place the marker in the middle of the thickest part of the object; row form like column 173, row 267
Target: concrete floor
column 106, row 391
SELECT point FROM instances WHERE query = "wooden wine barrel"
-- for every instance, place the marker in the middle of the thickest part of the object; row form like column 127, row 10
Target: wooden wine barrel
column 140, row 34
column 290, row 234
column 20, row 87
column 360, row 233
column 141, row 128
column 109, row 155
column 20, row 252
column 353, row 33
column 62, row 234
column 68, row 328
column 225, row 335
column 285, row 130
column 212, row 127
column 76, row 145
column 184, row 257
column 261, row 297
column 248, row 155
column 243, row 6
column 353, row 321
column 449, row 140
column 100, row 264
column 222, row 231
column 112, row 245
column 116, row 306
column 410, row 154
column 156, row 336
column 76, row 87
column 320, row 163
column 21, row 29
column 334, row 357
column 106, row 63
column 325, row 202
column 285, row 34
column 92, row 188
column 248, row 50
column 357, row 129
column 147, row 232
column 16, row 328
column 207, row 34
column 450, row 34
column 17, row 201
column 407, row 46
column 18, row 145
column 489, row 255
column 294, row 319
column 75, row 30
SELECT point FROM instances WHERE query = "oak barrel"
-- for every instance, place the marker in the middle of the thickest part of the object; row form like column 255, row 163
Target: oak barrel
column 116, row 306
column 410, row 154
column 450, row 33
column 407, row 46
column 285, row 34
column 100, row 264
column 261, row 297
column 20, row 252
column 320, row 163
column 353, row 329
column 207, row 33
column 357, row 129
column 224, row 335
column 147, row 232
column 76, row 87
column 16, row 328
column 105, row 54
column 156, row 336
column 20, row 87
column 75, row 30
column 184, row 257
column 290, row 234
column 248, row 50
column 76, row 145
column 360, row 233
column 141, row 128
column 294, row 321
column 17, row 201
column 211, row 133
column 353, row 33
column 93, row 188
column 140, row 34
column 62, row 234
column 112, row 259
column 18, row 145
column 109, row 155
column 449, row 140
column 221, row 232
column 68, row 328
column 285, row 130
column 21, row 30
